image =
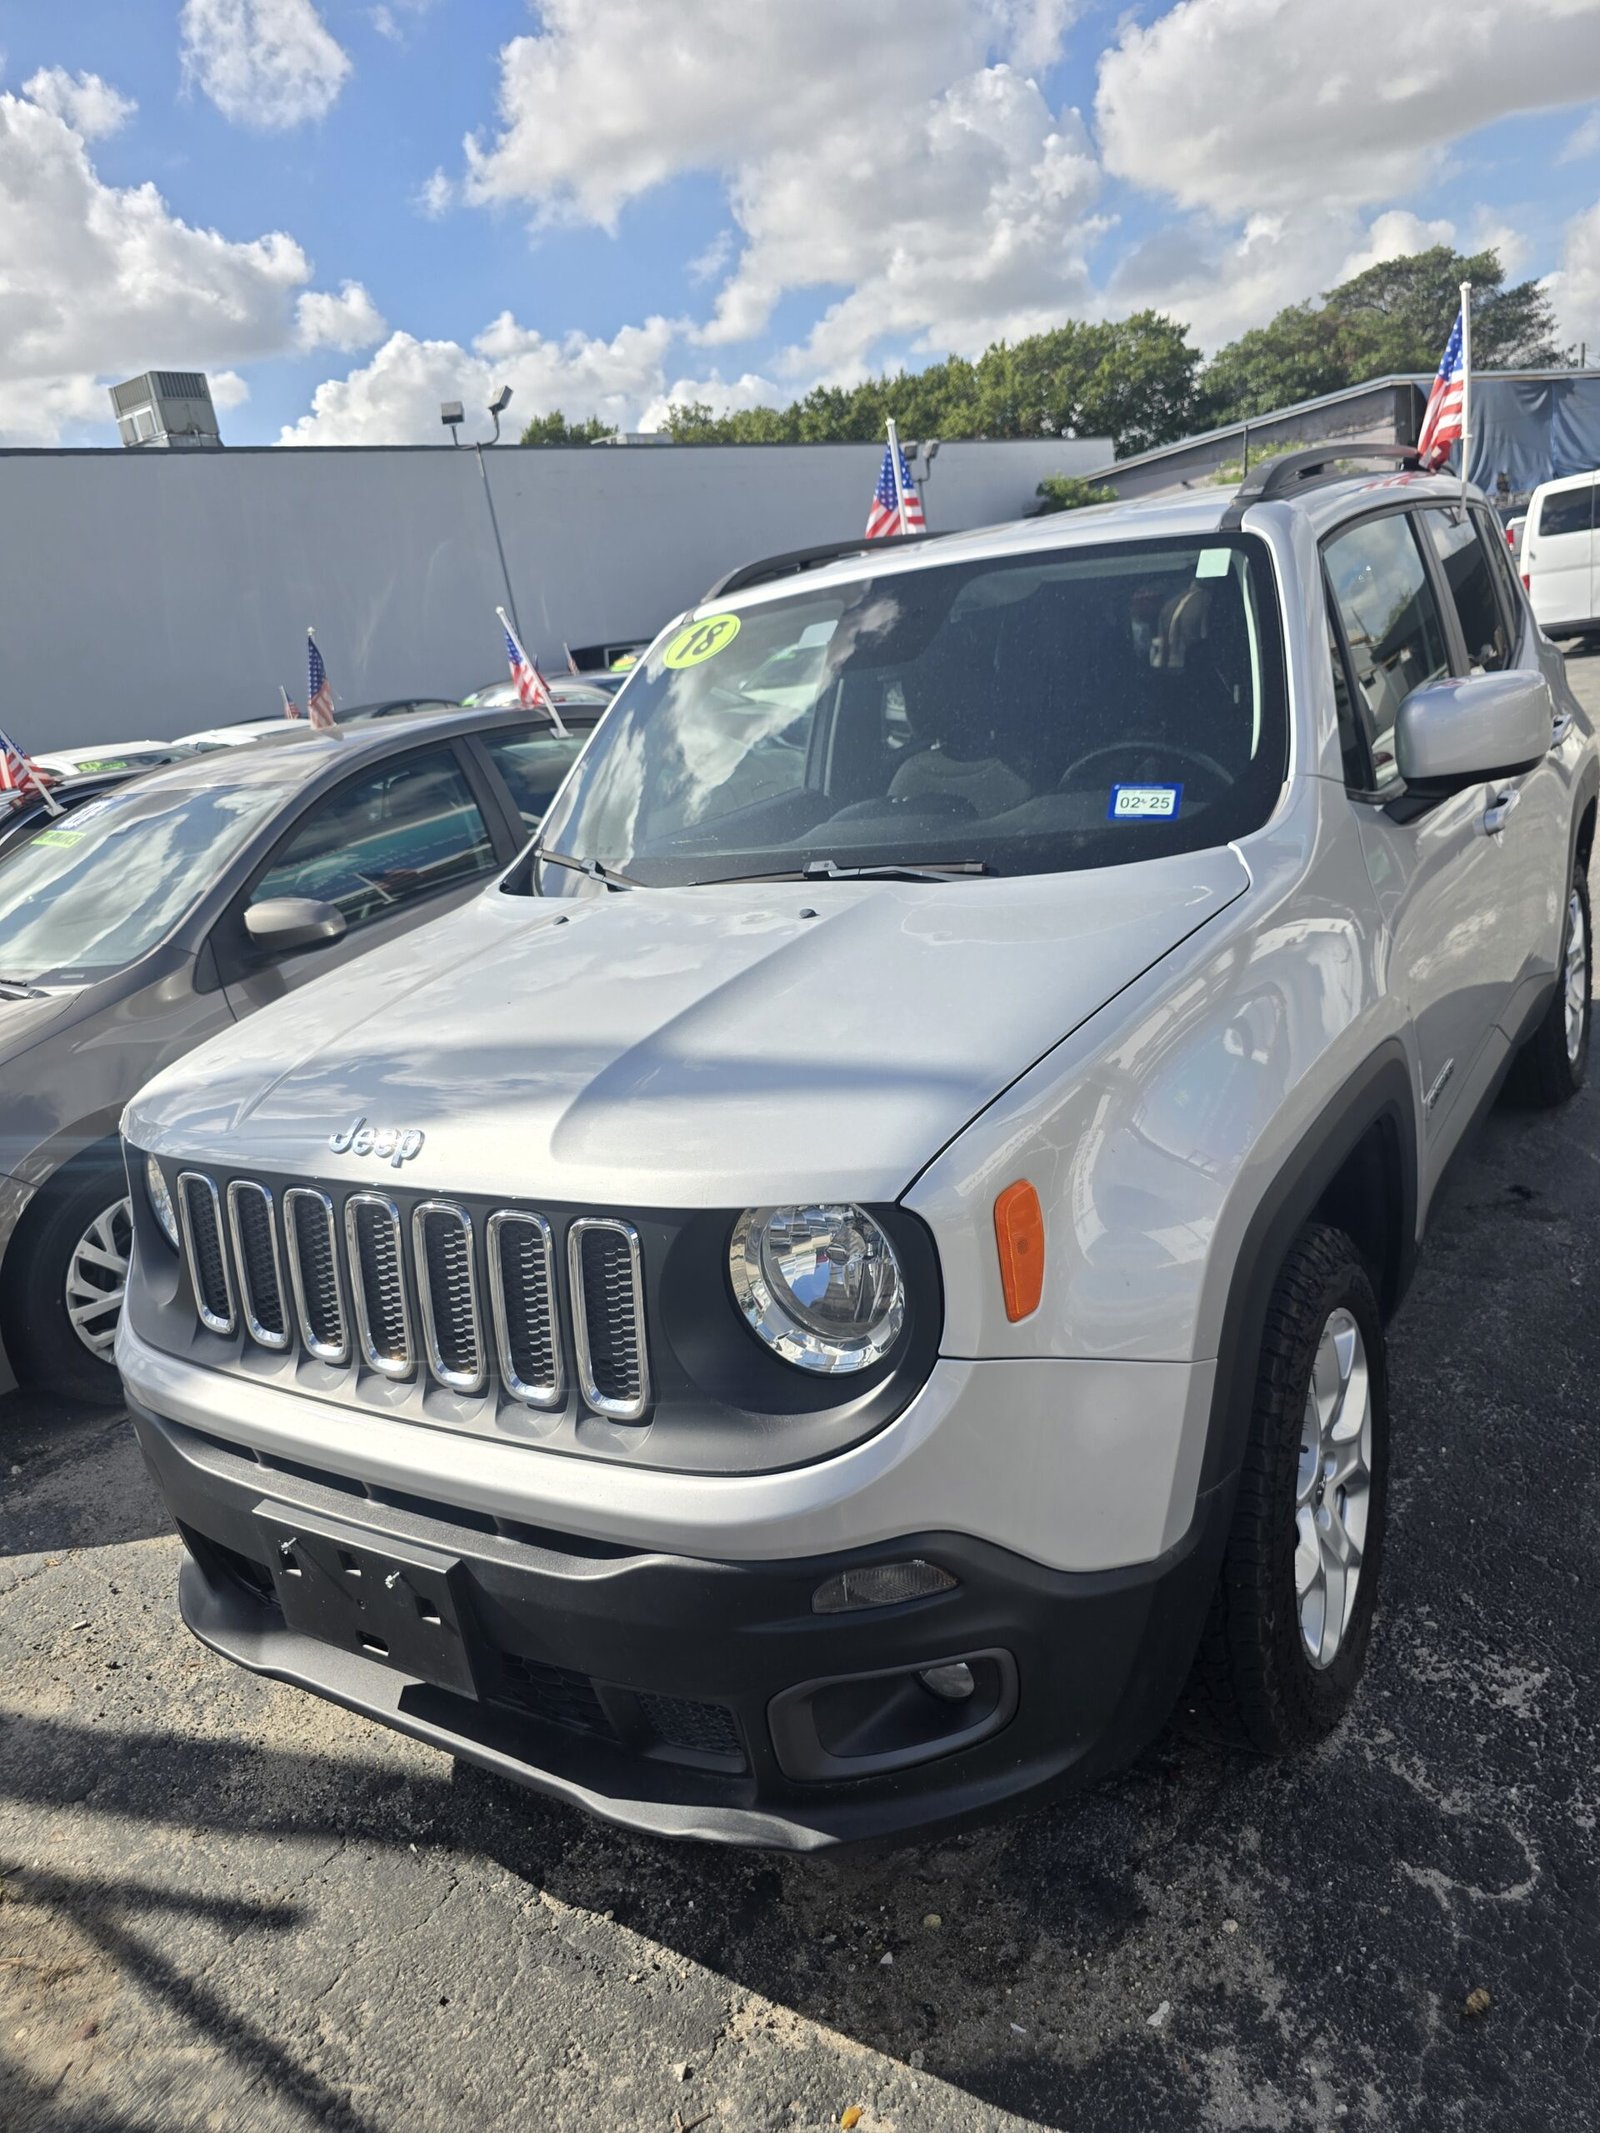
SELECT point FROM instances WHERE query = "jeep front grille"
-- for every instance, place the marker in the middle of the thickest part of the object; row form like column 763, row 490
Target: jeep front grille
column 473, row 1303
column 314, row 1272
column 255, row 1254
column 378, row 1282
column 200, row 1218
column 448, row 1282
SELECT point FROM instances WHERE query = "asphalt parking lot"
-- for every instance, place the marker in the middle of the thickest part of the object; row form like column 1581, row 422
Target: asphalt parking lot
column 225, row 1904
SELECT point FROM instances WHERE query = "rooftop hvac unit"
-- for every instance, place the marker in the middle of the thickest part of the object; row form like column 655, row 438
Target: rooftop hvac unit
column 166, row 407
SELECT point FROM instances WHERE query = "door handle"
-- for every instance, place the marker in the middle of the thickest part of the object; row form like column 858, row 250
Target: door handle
column 1498, row 812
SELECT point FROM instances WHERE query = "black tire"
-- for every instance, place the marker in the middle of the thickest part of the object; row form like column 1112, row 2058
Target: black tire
column 1547, row 1072
column 45, row 1351
column 1254, row 1682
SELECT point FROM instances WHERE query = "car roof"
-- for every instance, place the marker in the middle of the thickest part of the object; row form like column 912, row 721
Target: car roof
column 1326, row 503
column 1566, row 481
column 314, row 753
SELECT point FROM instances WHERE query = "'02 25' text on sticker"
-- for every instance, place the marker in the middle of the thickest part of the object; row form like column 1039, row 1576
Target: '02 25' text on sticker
column 1144, row 803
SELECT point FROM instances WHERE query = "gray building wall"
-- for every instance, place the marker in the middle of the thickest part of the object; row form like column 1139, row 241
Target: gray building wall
column 148, row 593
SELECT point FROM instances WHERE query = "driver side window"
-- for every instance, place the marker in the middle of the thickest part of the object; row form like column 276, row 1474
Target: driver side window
column 1392, row 626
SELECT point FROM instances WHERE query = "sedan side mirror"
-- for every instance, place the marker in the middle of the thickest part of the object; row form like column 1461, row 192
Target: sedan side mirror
column 1455, row 733
column 283, row 924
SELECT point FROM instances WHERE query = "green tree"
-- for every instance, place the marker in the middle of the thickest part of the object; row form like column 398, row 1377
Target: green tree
column 1391, row 319
column 1070, row 492
column 554, row 428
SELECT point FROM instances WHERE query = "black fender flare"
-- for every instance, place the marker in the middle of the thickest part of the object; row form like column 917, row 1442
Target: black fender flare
column 1379, row 1093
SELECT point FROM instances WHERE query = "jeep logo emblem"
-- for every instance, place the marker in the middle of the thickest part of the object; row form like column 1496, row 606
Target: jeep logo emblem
column 390, row 1144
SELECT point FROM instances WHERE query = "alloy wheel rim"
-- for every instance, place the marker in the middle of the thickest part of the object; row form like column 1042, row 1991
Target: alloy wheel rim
column 1333, row 1489
column 1577, row 975
column 97, row 1278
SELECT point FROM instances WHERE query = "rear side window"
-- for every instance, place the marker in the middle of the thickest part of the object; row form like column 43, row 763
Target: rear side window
column 384, row 839
column 533, row 765
column 1465, row 561
column 1392, row 625
column 1566, row 511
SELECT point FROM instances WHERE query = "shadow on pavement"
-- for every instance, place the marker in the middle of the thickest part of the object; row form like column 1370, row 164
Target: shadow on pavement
column 71, row 1477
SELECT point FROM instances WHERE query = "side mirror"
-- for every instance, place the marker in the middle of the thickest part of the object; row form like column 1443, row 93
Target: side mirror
column 283, row 924
column 1452, row 734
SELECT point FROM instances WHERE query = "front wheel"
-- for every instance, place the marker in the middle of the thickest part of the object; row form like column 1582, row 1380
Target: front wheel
column 1553, row 1065
column 1286, row 1639
column 65, row 1275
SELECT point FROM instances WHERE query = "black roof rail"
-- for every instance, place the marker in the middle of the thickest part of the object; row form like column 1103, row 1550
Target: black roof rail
column 1292, row 471
column 800, row 559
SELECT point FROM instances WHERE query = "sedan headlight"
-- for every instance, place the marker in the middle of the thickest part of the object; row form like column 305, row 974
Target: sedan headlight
column 820, row 1285
column 161, row 1200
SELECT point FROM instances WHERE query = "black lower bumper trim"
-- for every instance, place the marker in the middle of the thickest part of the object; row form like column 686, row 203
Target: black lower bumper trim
column 648, row 1689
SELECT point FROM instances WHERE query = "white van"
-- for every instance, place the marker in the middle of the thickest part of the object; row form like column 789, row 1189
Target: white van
column 1560, row 565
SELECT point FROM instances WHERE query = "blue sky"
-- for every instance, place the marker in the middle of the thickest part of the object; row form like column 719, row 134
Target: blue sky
column 726, row 201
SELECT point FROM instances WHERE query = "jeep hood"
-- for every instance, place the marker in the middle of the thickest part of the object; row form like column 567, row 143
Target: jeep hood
column 724, row 1046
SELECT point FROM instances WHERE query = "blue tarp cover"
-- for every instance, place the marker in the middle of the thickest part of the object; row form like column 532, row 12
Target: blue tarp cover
column 1532, row 429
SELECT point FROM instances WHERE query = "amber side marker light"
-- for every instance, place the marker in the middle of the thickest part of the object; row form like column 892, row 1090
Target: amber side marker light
column 1019, row 1236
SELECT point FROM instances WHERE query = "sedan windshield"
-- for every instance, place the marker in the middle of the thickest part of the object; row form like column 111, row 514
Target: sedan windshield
column 1078, row 707
column 86, row 896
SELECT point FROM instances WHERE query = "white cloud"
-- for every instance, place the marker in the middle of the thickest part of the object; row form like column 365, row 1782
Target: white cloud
column 347, row 321
column 394, row 398
column 435, row 196
column 1575, row 286
column 903, row 152
column 84, row 102
column 228, row 390
column 265, row 63
column 98, row 282
column 1584, row 140
column 1236, row 106
column 722, row 397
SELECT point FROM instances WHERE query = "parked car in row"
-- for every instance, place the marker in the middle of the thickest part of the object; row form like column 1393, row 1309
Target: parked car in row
column 579, row 701
column 23, row 814
column 164, row 907
column 1560, row 559
column 818, row 1302
column 240, row 732
column 114, row 755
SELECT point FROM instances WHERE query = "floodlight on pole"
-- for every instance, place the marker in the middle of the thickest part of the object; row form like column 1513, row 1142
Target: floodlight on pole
column 497, row 407
column 452, row 415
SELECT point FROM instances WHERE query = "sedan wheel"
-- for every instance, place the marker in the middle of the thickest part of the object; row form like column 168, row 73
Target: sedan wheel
column 1576, row 997
column 97, row 1279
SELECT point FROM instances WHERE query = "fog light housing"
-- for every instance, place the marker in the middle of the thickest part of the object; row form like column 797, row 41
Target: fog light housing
column 880, row 1585
column 953, row 1683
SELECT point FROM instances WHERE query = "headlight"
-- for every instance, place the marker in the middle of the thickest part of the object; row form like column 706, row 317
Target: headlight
column 820, row 1285
column 161, row 1200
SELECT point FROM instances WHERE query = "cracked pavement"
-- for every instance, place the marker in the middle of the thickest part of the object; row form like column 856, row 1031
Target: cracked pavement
column 224, row 1904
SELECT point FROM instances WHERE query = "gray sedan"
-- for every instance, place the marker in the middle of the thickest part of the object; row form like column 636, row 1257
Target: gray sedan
column 165, row 909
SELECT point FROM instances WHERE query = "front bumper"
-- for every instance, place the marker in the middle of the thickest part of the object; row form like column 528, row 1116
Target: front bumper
column 680, row 1696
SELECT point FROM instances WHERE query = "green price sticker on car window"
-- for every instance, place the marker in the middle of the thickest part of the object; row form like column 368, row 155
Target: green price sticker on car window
column 701, row 641
column 59, row 837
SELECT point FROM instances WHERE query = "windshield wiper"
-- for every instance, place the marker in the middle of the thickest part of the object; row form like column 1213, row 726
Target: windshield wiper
column 596, row 869
column 888, row 870
column 22, row 989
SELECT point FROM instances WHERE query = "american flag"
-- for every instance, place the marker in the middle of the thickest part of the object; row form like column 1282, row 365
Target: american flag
column 17, row 774
column 1441, row 421
column 533, row 691
column 886, row 516
column 319, row 697
column 290, row 708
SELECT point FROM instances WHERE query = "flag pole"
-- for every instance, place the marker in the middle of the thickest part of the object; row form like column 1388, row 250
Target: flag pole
column 551, row 712
column 894, row 467
column 1466, row 385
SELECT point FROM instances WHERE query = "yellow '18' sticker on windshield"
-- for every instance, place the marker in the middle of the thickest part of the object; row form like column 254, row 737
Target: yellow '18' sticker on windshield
column 701, row 641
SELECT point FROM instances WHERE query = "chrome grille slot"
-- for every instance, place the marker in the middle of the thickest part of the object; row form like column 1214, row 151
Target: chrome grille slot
column 522, row 1291
column 314, row 1274
column 608, row 1317
column 200, row 1218
column 255, row 1254
column 378, row 1282
column 447, row 1283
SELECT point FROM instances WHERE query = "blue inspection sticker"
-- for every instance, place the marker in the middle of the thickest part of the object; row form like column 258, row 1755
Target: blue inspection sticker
column 1144, row 803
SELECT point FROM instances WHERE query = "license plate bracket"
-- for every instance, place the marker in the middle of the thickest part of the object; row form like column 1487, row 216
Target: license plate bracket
column 400, row 1604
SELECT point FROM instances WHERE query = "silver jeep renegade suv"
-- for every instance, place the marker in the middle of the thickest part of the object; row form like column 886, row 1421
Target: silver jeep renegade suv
column 855, row 1276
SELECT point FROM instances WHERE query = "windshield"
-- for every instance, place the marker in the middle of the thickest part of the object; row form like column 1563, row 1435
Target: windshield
column 86, row 896
column 1083, row 707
